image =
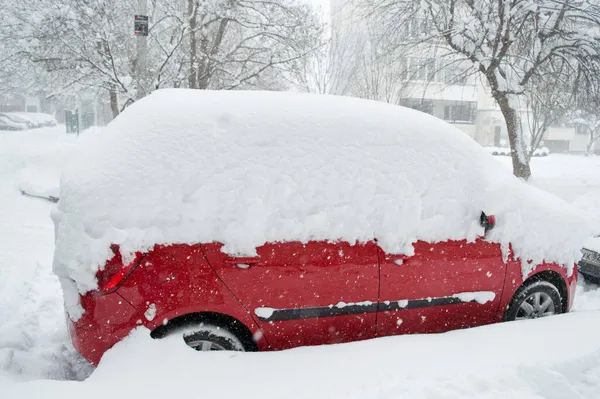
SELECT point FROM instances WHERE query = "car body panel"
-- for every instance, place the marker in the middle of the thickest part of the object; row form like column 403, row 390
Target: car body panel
column 303, row 281
column 514, row 280
column 171, row 281
column 428, row 282
column 308, row 294
column 107, row 320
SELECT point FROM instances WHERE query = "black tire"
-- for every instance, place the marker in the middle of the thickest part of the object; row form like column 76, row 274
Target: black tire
column 208, row 337
column 527, row 295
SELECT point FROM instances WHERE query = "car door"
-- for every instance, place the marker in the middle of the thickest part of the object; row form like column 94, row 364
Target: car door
column 305, row 294
column 444, row 286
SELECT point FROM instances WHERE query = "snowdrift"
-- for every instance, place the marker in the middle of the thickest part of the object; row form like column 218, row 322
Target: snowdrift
column 245, row 168
column 526, row 360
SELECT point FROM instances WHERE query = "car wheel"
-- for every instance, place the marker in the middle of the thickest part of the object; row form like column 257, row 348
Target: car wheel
column 534, row 300
column 207, row 337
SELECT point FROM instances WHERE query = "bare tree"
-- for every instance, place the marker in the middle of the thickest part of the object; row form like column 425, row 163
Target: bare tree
column 548, row 102
column 508, row 42
column 587, row 117
column 380, row 74
column 233, row 42
column 331, row 68
column 75, row 46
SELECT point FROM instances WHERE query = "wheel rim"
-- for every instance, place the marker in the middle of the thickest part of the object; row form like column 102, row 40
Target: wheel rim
column 536, row 305
column 203, row 345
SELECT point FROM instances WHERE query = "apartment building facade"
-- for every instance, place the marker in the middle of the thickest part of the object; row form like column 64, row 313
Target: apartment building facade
column 428, row 79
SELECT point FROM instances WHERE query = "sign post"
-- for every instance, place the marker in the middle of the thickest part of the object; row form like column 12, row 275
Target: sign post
column 140, row 29
column 140, row 25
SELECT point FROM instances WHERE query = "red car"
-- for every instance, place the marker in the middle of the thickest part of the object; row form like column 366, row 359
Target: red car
column 295, row 294
column 184, row 179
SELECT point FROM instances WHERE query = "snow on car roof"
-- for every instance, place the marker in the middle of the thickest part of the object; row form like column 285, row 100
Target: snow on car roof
column 245, row 168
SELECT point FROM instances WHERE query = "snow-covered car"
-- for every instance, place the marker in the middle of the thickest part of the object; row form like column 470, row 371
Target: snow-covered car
column 538, row 152
column 589, row 265
column 17, row 119
column 8, row 124
column 270, row 220
column 35, row 119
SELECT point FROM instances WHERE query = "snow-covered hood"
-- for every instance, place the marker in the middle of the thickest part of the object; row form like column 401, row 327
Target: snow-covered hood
column 593, row 244
column 245, row 168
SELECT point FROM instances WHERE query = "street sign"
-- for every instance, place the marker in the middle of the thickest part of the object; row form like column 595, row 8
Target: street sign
column 140, row 25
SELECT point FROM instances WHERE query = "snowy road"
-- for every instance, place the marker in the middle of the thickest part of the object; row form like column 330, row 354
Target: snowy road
column 516, row 360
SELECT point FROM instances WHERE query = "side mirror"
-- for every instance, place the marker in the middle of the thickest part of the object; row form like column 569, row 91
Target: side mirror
column 487, row 222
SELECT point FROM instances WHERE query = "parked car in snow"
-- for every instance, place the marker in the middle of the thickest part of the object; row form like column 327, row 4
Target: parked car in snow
column 267, row 220
column 36, row 119
column 15, row 118
column 538, row 152
column 589, row 265
column 8, row 124
column 30, row 119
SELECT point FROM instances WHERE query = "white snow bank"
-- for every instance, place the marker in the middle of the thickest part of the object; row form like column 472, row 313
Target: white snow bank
column 587, row 297
column 555, row 357
column 245, row 168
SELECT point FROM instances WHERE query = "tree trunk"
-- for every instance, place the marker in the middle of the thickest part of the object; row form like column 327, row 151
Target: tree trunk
column 193, row 25
column 114, row 102
column 204, row 72
column 590, row 144
column 520, row 162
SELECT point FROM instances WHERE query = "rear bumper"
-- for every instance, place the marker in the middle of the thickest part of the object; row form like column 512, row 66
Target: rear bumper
column 107, row 320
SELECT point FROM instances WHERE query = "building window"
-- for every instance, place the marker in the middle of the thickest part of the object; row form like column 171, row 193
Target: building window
column 432, row 70
column 461, row 112
column 582, row 130
column 420, row 105
column 454, row 75
column 419, row 69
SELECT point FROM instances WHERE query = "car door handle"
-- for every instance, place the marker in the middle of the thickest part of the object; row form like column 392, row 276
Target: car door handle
column 397, row 259
column 243, row 262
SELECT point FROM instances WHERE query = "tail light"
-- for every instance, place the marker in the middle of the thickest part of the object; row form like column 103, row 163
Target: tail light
column 115, row 272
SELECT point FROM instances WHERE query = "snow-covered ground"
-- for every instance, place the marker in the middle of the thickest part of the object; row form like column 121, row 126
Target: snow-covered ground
column 558, row 357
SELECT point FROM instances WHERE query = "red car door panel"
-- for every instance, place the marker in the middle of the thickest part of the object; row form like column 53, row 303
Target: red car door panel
column 305, row 294
column 446, row 285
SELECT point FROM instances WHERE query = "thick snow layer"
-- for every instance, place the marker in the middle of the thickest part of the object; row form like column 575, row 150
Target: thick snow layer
column 39, row 182
column 555, row 357
column 34, row 343
column 244, row 168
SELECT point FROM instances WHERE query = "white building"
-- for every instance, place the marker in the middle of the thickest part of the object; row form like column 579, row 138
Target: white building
column 425, row 79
